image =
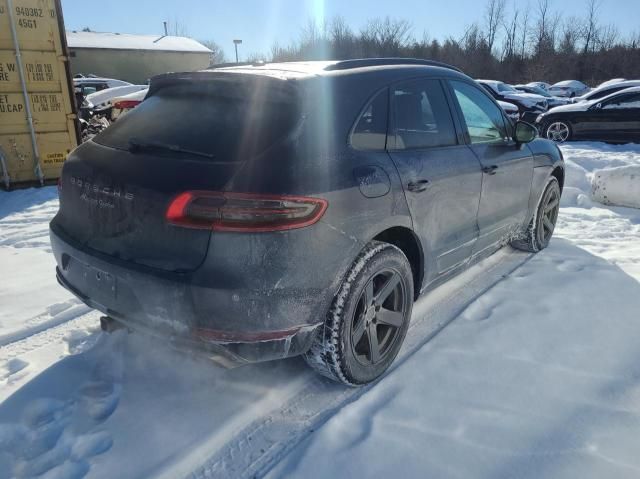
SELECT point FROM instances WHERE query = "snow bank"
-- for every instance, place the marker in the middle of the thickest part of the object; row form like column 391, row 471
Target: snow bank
column 617, row 186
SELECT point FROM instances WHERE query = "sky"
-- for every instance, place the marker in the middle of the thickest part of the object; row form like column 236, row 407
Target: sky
column 261, row 23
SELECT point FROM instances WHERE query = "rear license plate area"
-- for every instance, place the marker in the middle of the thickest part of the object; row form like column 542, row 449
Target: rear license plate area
column 93, row 282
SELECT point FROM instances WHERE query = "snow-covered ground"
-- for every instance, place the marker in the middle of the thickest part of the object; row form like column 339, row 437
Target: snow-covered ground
column 536, row 375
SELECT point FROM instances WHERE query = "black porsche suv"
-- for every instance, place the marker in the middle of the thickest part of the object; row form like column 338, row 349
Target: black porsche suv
column 258, row 212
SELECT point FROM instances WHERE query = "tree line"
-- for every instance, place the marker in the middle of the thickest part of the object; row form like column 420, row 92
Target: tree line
column 509, row 43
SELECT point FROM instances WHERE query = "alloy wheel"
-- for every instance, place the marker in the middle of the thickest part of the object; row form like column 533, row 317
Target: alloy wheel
column 378, row 318
column 549, row 215
column 558, row 131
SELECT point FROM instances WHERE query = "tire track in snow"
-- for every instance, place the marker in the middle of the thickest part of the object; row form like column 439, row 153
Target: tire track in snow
column 58, row 313
column 255, row 450
column 52, row 335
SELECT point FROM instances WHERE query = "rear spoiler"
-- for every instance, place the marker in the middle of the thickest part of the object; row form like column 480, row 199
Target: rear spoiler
column 222, row 77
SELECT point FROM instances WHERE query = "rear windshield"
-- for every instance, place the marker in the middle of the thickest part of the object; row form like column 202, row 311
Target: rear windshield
column 229, row 121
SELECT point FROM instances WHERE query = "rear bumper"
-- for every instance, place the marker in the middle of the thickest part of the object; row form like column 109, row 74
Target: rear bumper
column 237, row 325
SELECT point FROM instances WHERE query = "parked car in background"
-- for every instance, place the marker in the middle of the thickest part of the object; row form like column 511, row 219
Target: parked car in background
column 552, row 101
column 510, row 109
column 530, row 106
column 615, row 117
column 103, row 99
column 568, row 88
column 90, row 84
column 123, row 104
column 175, row 221
column 96, row 111
column 609, row 82
column 540, row 84
column 607, row 89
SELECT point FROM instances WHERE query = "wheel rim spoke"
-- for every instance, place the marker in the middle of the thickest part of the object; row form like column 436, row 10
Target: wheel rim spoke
column 551, row 205
column 547, row 223
column 388, row 288
column 374, row 345
column 359, row 330
column 368, row 293
column 378, row 317
column 390, row 318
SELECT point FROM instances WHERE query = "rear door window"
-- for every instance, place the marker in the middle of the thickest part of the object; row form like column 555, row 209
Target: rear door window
column 422, row 118
column 226, row 120
column 370, row 131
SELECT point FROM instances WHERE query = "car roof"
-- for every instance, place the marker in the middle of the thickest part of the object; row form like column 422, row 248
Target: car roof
column 568, row 83
column 300, row 70
column 625, row 83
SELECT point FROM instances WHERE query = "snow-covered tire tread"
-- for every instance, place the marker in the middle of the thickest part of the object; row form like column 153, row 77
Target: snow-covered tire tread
column 324, row 356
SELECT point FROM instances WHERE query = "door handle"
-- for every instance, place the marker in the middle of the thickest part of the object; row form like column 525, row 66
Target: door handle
column 490, row 170
column 418, row 185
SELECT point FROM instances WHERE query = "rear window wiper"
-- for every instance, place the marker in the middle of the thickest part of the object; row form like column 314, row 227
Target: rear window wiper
column 136, row 145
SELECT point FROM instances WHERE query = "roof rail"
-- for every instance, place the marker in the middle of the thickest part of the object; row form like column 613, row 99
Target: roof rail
column 376, row 62
column 236, row 64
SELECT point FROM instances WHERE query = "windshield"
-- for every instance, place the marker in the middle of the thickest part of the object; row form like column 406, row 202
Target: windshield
column 539, row 91
column 504, row 87
column 218, row 120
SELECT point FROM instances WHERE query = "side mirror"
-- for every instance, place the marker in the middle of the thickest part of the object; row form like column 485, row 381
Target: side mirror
column 597, row 106
column 525, row 132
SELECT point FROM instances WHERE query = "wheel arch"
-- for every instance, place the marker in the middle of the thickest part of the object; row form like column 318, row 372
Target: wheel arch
column 558, row 172
column 406, row 240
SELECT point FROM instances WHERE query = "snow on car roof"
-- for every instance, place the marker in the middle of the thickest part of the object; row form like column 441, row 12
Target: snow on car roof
column 573, row 83
column 609, row 86
column 126, row 41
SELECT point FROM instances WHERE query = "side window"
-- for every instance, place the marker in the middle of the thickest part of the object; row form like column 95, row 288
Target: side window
column 370, row 132
column 422, row 116
column 484, row 119
column 603, row 93
column 623, row 101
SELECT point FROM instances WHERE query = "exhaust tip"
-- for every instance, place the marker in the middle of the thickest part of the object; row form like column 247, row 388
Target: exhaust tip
column 109, row 325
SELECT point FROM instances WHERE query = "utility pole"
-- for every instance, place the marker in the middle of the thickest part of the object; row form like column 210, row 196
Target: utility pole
column 236, row 43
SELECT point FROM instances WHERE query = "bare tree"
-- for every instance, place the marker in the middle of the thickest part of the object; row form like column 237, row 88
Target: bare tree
column 217, row 54
column 494, row 16
column 571, row 32
column 591, row 29
column 386, row 36
column 524, row 31
column 608, row 37
column 510, row 35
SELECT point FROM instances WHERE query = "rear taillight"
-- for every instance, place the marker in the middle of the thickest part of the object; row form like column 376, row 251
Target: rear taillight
column 126, row 104
column 243, row 212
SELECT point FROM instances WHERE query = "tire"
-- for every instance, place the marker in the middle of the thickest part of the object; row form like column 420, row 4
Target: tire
column 342, row 349
column 558, row 131
column 540, row 230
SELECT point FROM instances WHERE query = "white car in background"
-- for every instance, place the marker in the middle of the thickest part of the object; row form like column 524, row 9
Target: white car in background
column 539, row 84
column 568, row 88
column 101, row 100
column 123, row 104
column 92, row 84
column 607, row 88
